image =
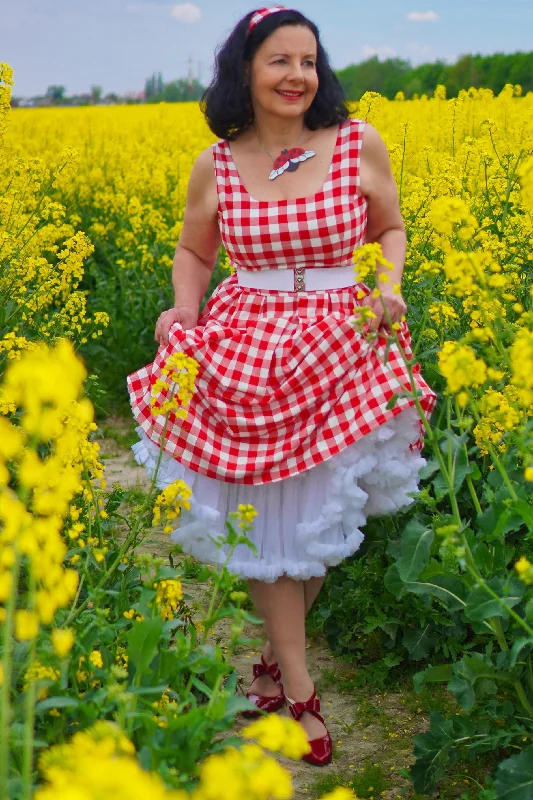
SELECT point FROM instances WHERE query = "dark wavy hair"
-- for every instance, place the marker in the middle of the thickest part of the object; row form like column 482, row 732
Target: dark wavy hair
column 227, row 104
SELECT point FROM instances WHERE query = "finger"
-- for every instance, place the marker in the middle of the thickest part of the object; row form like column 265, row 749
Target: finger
column 374, row 324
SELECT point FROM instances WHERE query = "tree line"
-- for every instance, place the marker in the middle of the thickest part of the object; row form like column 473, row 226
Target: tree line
column 388, row 77
column 395, row 75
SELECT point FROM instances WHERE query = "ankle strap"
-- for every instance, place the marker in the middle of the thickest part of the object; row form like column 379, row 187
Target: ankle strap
column 312, row 706
column 267, row 669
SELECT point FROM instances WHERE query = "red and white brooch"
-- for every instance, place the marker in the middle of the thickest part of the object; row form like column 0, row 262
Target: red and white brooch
column 289, row 160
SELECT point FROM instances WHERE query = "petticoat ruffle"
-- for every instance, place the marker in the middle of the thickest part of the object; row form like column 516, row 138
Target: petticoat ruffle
column 305, row 522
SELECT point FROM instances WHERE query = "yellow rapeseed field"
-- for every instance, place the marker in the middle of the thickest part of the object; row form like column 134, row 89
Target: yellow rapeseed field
column 91, row 208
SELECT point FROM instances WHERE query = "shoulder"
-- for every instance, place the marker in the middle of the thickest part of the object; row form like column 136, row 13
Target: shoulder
column 204, row 161
column 202, row 188
column 373, row 148
column 202, row 172
column 375, row 167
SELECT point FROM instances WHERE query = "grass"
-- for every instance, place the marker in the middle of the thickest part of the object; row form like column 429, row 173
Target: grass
column 121, row 432
column 367, row 781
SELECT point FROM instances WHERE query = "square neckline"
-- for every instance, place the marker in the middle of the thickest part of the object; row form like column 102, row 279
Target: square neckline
column 306, row 198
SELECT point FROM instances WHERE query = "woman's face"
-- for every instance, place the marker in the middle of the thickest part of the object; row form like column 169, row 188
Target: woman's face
column 283, row 77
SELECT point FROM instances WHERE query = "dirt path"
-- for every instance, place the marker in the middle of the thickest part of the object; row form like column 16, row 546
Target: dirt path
column 372, row 732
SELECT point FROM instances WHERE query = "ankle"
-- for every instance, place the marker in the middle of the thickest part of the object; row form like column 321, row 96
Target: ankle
column 300, row 690
column 268, row 654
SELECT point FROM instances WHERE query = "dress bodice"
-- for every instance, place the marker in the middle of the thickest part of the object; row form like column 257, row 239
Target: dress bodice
column 320, row 230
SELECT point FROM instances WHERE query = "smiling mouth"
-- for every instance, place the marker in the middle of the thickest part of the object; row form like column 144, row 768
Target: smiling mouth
column 289, row 94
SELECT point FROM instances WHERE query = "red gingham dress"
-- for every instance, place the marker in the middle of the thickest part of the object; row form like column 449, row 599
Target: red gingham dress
column 285, row 383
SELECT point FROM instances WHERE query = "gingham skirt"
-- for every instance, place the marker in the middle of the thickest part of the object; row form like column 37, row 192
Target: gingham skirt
column 289, row 414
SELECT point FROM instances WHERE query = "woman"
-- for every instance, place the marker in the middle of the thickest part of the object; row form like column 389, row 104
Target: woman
column 290, row 408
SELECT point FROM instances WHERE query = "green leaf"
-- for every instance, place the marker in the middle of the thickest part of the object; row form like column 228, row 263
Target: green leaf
column 525, row 511
column 201, row 686
column 391, row 402
column 56, row 702
column 436, row 748
column 473, row 668
column 393, row 582
column 517, row 648
column 480, row 605
column 419, row 642
column 462, row 468
column 463, row 691
column 430, row 469
column 416, row 546
column 442, row 673
column 432, row 753
column 514, row 777
column 143, row 643
column 529, row 610
column 447, row 588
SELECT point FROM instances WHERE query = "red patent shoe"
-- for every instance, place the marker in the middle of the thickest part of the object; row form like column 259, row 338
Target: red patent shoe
column 321, row 748
column 262, row 703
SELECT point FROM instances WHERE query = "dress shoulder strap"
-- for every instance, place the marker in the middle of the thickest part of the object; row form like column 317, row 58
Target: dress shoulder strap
column 223, row 170
column 350, row 153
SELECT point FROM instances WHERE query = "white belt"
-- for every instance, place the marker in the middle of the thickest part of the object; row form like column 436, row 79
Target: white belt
column 298, row 279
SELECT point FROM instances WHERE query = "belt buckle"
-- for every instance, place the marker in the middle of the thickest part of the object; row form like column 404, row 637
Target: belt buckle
column 299, row 279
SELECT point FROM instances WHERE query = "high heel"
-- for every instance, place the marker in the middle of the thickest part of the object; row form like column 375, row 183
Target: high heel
column 321, row 748
column 261, row 702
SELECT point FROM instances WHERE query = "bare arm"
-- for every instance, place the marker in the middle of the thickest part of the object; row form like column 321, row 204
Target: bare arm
column 197, row 249
column 385, row 225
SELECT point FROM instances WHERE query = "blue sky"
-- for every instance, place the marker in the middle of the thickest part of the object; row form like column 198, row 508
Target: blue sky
column 118, row 43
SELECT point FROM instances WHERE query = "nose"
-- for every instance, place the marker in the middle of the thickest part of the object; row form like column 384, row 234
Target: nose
column 295, row 71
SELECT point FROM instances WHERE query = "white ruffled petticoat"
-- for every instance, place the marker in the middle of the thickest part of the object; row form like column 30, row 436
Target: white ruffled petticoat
column 305, row 522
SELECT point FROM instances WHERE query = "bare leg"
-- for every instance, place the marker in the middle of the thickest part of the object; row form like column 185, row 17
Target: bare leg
column 265, row 685
column 282, row 606
column 312, row 588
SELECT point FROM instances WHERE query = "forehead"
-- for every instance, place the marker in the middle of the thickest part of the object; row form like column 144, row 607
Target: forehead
column 289, row 39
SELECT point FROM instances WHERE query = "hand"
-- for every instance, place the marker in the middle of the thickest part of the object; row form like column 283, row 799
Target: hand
column 184, row 315
column 395, row 304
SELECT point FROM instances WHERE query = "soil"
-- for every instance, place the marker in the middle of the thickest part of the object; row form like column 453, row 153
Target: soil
column 372, row 731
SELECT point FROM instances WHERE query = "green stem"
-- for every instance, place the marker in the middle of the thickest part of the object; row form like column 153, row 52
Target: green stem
column 29, row 716
column 530, row 673
column 494, row 456
column 7, row 664
column 473, row 494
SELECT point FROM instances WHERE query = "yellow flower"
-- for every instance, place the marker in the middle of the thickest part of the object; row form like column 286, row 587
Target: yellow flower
column 525, row 570
column 96, row 659
column 528, row 473
column 460, row 366
column 340, row 793
column 172, row 500
column 279, row 735
column 367, row 258
column 62, row 641
column 168, row 596
column 26, row 624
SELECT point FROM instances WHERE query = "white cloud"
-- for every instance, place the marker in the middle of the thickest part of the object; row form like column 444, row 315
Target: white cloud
column 422, row 16
column 382, row 52
column 186, row 12
column 183, row 12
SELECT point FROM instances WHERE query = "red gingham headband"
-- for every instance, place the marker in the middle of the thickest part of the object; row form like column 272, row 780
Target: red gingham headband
column 262, row 13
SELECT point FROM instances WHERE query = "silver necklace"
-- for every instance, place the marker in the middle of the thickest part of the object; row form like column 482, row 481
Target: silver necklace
column 288, row 159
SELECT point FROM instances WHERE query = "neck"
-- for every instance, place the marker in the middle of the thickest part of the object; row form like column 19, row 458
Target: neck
column 277, row 133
